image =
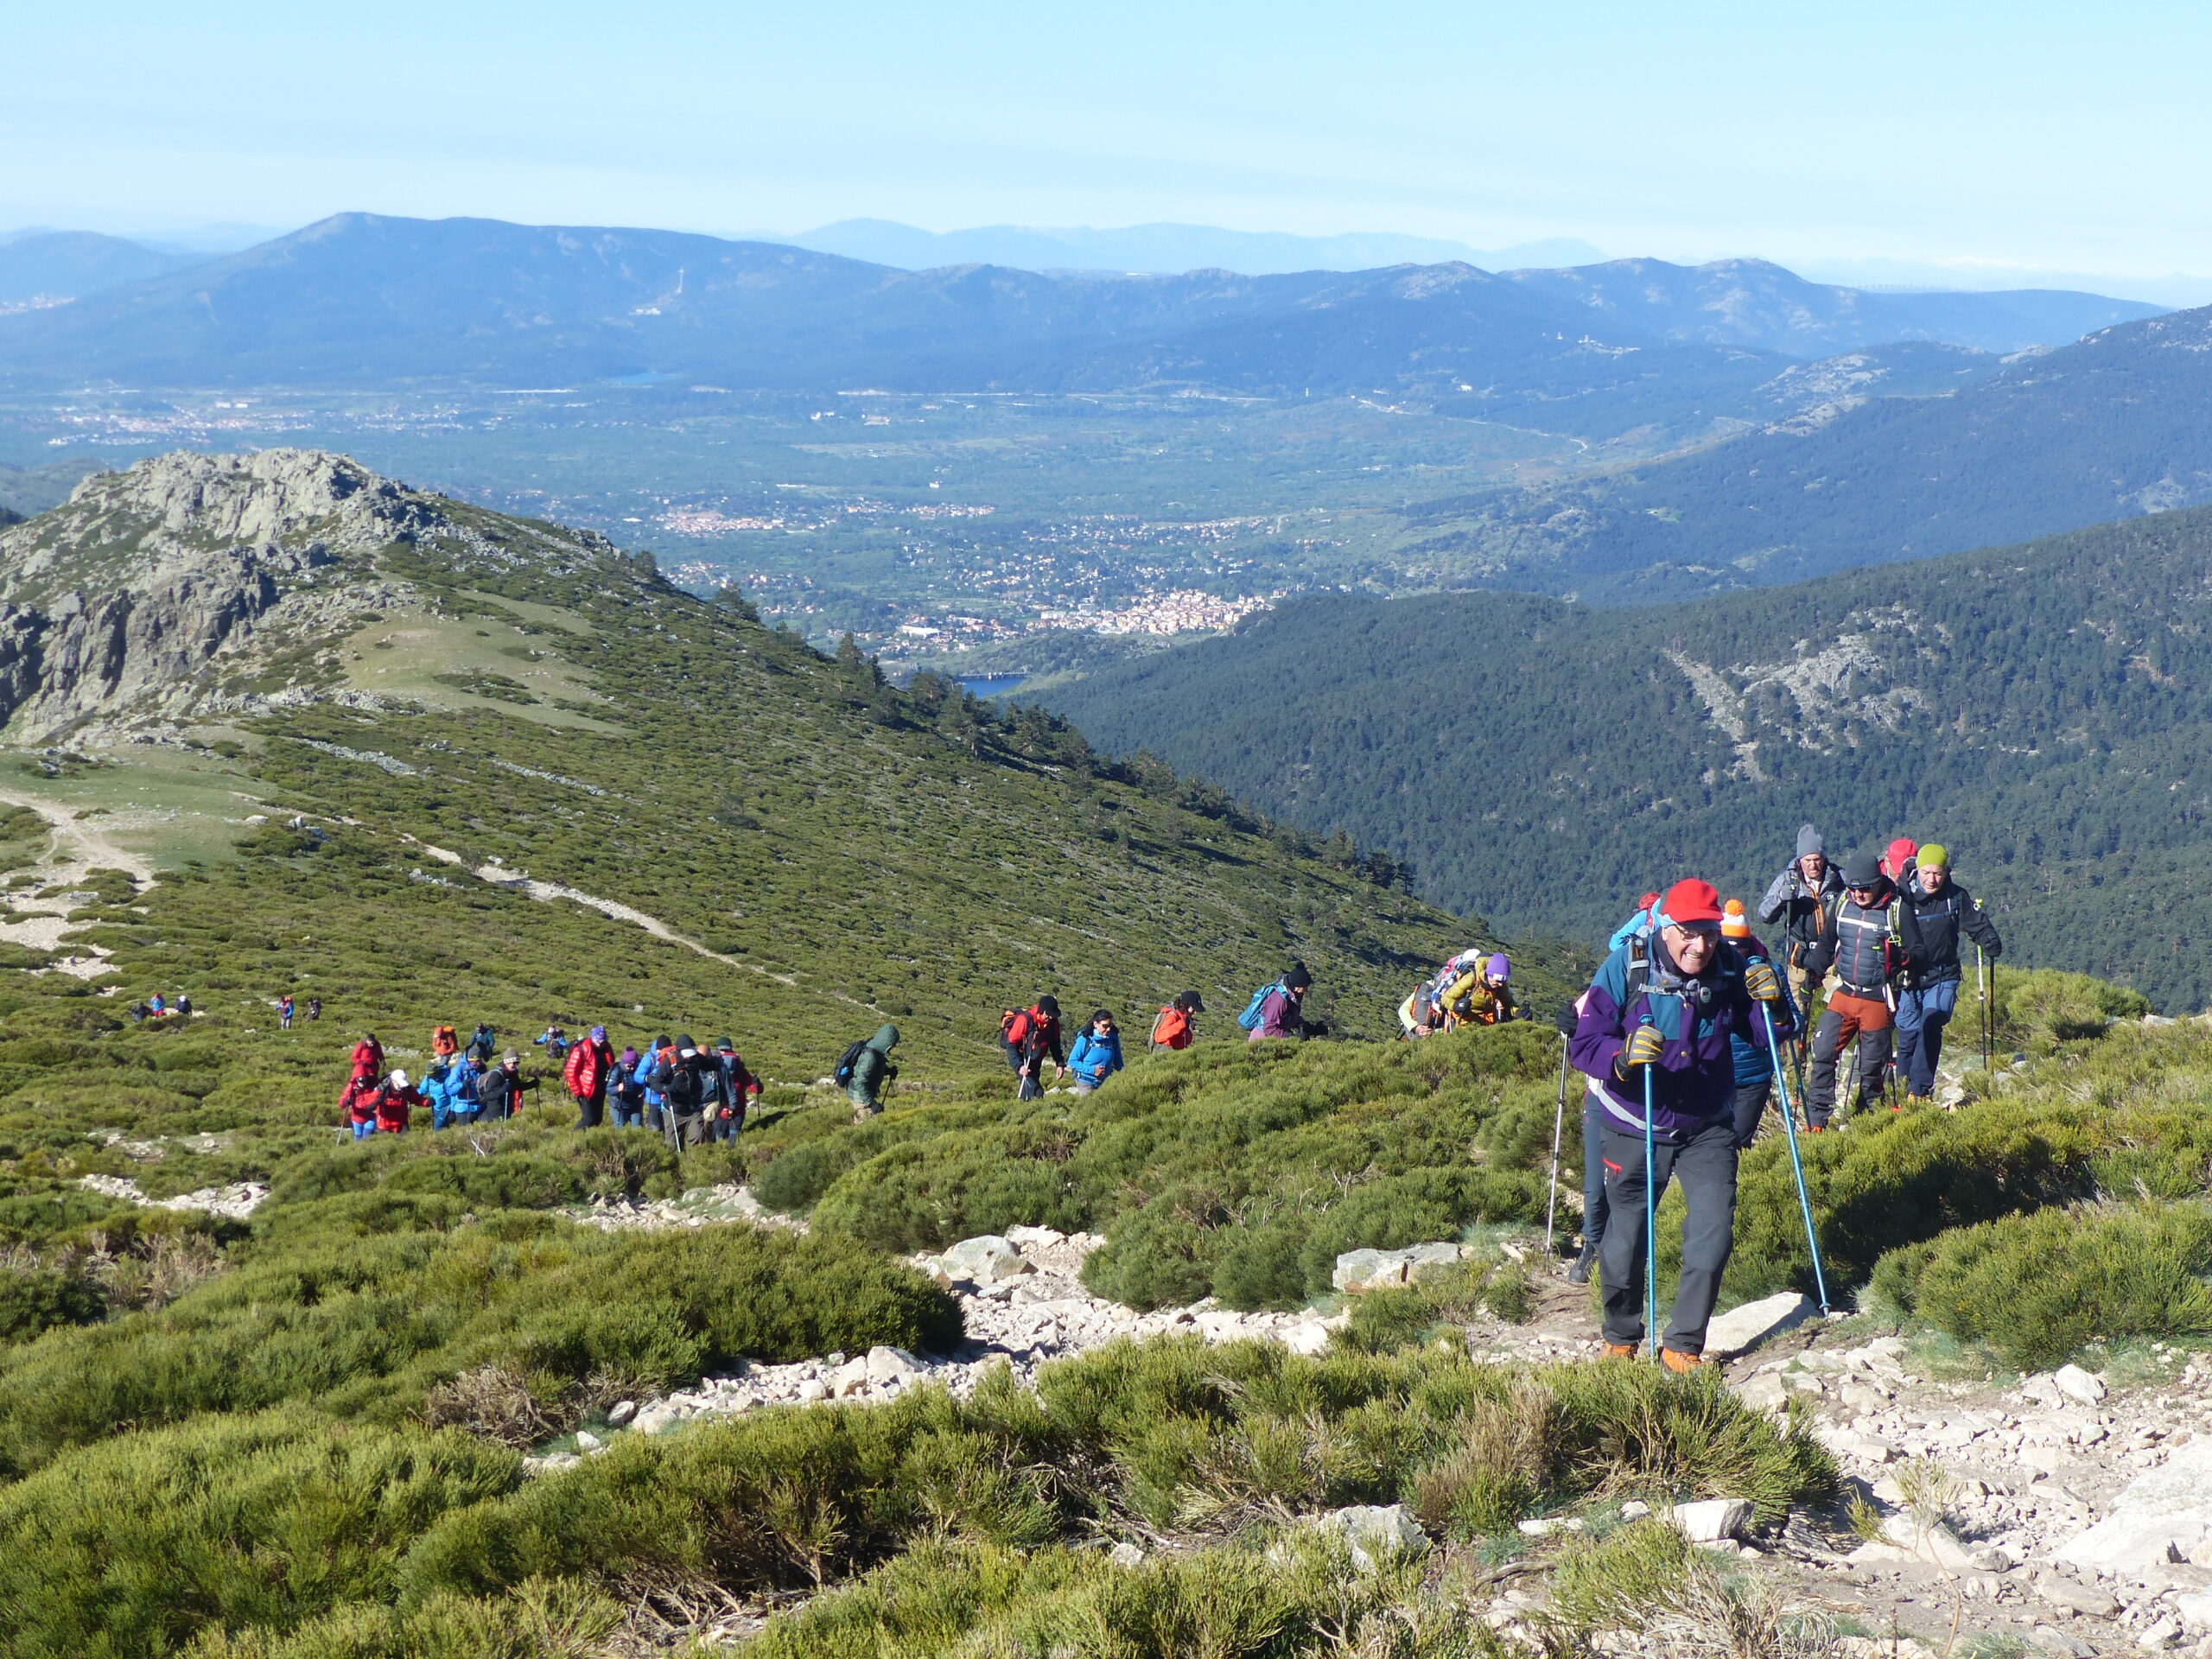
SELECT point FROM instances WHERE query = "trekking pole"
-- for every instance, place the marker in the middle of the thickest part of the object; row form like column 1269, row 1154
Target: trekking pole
column 1559, row 1127
column 1651, row 1228
column 1988, row 1012
column 1796, row 1163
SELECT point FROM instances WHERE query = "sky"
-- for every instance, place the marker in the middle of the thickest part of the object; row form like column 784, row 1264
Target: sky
column 1986, row 140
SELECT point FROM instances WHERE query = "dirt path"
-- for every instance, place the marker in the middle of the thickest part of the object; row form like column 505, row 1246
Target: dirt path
column 38, row 922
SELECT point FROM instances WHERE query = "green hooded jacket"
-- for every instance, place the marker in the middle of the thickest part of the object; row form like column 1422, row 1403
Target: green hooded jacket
column 872, row 1072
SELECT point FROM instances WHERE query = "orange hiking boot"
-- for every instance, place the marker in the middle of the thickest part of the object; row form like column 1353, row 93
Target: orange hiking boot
column 1681, row 1364
column 1620, row 1351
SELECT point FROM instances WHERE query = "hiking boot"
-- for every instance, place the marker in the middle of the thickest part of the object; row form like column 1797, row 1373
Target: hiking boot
column 1681, row 1364
column 1620, row 1351
column 1579, row 1273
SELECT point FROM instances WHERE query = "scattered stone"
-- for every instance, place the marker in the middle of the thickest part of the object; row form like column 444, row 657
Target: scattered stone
column 2075, row 1598
column 1309, row 1338
column 1936, row 1544
column 623, row 1411
column 813, row 1390
column 1361, row 1270
column 1374, row 1531
column 1547, row 1525
column 986, row 1260
column 1741, row 1329
column 2161, row 1516
column 1764, row 1392
column 1126, row 1554
column 1713, row 1519
column 1850, row 1443
column 2077, row 1384
column 2161, row 1634
column 588, row 1441
column 1635, row 1509
column 2053, row 1640
column 890, row 1364
column 850, row 1378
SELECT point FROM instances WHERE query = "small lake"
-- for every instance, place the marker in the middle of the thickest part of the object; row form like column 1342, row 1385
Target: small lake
column 993, row 685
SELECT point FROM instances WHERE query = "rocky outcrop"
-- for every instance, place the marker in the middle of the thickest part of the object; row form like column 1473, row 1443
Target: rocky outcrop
column 158, row 593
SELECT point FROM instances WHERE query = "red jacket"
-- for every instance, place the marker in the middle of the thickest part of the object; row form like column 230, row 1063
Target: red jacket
column 368, row 1059
column 393, row 1106
column 589, row 1066
column 358, row 1102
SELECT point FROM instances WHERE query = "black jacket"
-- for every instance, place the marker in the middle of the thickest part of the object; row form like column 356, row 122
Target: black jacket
column 689, row 1087
column 1855, row 945
column 1930, row 929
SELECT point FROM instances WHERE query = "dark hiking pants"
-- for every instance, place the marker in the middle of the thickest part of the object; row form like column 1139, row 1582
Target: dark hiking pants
column 1922, row 1016
column 1593, row 1172
column 1706, row 1165
column 591, row 1110
column 1750, row 1107
column 1848, row 1016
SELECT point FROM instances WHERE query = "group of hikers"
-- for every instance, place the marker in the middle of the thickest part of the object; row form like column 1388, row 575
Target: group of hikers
column 691, row 1095
column 1681, row 1038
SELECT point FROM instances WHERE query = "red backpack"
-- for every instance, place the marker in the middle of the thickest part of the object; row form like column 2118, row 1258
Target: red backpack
column 1016, row 1026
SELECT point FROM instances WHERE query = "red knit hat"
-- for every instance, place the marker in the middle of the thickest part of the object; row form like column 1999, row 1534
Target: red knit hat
column 1688, row 904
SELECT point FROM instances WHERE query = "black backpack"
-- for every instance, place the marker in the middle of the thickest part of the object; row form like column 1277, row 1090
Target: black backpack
column 686, row 1090
column 847, row 1061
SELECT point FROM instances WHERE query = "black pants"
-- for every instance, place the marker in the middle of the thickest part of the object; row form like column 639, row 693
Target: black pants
column 1838, row 1027
column 591, row 1110
column 1750, row 1107
column 1031, row 1088
column 1593, row 1172
column 685, row 1129
column 1705, row 1165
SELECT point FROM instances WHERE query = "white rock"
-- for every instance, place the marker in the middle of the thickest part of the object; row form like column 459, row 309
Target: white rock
column 1937, row 1545
column 588, row 1441
column 623, row 1411
column 2080, row 1597
column 849, row 1378
column 1850, row 1443
column 1359, row 1270
column 1549, row 1524
column 2195, row 1613
column 987, row 1259
column 2077, row 1384
column 1307, row 1336
column 1126, row 1554
column 2160, row 1515
column 2057, row 1642
column 1742, row 1329
column 1765, row 1392
column 812, row 1390
column 890, row 1364
column 1713, row 1519
column 1373, row 1531
column 1035, row 1238
column 1635, row 1509
column 2161, row 1634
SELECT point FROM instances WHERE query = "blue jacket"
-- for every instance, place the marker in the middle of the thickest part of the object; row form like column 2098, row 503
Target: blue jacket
column 1695, row 1079
column 450, row 1088
column 1095, row 1058
column 1753, row 1062
column 642, row 1076
column 1639, row 923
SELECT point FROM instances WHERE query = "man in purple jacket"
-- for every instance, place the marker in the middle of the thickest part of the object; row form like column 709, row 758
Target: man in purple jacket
column 1282, row 1010
column 1662, row 1007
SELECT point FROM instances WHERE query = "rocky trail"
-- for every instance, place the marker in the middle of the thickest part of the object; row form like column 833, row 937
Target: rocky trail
column 2066, row 1514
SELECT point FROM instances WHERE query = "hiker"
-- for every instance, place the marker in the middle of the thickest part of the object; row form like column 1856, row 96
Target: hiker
column 1279, row 1010
column 866, row 1070
column 1799, row 901
column 183, row 1005
column 1658, row 1017
column 591, row 1062
column 502, row 1087
column 736, row 1088
column 483, row 1044
column 1636, row 925
column 648, row 1063
column 1898, row 862
column 315, row 1007
column 688, row 1082
column 358, row 1102
column 1932, row 913
column 1754, row 1060
column 157, row 1006
column 368, row 1058
column 445, row 1042
column 555, row 1042
column 466, row 1075
column 1096, row 1055
column 1031, row 1036
column 394, row 1101
column 284, row 1012
column 1417, row 1014
column 442, row 1087
column 1480, row 997
column 1854, row 945
column 1170, row 1027
column 626, row 1096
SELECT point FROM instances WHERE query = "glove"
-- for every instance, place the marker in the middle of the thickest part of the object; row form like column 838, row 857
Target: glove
column 1645, row 1046
column 1760, row 981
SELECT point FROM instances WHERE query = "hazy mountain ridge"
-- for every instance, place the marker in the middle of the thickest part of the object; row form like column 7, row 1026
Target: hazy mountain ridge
column 52, row 266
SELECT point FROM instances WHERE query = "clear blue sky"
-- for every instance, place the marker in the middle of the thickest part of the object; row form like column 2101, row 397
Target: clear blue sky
column 2060, row 137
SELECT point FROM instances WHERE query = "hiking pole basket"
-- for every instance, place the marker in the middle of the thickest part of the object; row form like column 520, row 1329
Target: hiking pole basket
column 1796, row 1163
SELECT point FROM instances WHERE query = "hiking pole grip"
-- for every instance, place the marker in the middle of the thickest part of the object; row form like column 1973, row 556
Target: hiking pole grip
column 1796, row 1164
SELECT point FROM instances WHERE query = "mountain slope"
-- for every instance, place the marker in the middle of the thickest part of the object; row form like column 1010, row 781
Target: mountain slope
column 2114, row 425
column 56, row 265
column 2041, row 710
column 484, row 710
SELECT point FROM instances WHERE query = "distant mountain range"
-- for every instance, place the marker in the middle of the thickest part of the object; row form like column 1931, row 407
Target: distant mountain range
column 2042, row 710
column 52, row 265
column 1166, row 250
column 360, row 299
column 2119, row 423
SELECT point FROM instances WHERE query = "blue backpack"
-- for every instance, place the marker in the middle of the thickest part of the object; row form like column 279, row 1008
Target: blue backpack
column 1251, row 1018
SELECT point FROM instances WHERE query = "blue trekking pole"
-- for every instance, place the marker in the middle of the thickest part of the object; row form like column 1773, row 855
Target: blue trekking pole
column 1796, row 1164
column 1651, row 1228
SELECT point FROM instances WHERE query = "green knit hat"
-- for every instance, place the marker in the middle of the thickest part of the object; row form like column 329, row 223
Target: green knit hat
column 1934, row 852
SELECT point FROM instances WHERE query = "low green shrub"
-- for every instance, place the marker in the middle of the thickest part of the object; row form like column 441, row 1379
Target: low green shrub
column 1389, row 1320
column 2036, row 1288
column 372, row 1326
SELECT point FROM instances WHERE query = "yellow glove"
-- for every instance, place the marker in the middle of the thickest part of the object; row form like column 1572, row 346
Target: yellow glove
column 1760, row 981
column 1645, row 1046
